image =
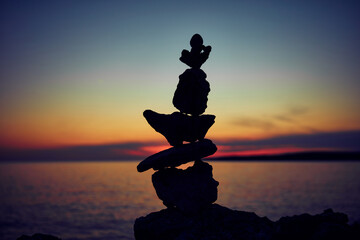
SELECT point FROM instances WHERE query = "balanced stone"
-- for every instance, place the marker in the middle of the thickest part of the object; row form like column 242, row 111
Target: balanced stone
column 198, row 53
column 188, row 190
column 178, row 155
column 178, row 127
column 191, row 93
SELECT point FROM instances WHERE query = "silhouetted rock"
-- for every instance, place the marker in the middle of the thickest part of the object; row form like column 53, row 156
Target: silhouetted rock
column 178, row 155
column 38, row 236
column 189, row 190
column 198, row 53
column 191, row 93
column 178, row 127
column 328, row 225
column 215, row 222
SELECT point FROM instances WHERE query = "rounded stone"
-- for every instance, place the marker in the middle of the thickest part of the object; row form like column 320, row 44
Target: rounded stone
column 191, row 93
column 188, row 190
column 196, row 41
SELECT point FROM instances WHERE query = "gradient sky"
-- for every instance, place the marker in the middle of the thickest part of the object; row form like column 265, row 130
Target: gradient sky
column 80, row 73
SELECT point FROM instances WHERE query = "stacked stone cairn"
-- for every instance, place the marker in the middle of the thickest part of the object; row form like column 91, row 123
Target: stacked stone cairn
column 189, row 194
column 194, row 188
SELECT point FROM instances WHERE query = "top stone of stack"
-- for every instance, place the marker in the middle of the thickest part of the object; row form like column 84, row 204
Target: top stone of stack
column 192, row 90
column 198, row 53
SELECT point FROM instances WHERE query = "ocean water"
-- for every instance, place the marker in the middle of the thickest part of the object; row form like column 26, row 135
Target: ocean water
column 101, row 200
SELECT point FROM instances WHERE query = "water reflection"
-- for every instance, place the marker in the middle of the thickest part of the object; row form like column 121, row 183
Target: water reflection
column 100, row 200
column 276, row 189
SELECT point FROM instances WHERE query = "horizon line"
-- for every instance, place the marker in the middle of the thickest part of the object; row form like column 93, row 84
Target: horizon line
column 308, row 156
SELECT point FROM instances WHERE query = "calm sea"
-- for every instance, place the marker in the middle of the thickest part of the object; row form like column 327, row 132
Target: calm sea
column 101, row 200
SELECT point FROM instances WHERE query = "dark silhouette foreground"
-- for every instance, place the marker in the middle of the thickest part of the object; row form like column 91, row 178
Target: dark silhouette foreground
column 217, row 222
column 194, row 189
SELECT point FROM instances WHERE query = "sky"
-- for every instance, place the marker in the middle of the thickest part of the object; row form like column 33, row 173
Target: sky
column 284, row 75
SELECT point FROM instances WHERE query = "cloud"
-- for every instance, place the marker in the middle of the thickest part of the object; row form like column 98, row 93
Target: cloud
column 297, row 110
column 254, row 123
column 121, row 151
column 345, row 140
column 289, row 116
column 284, row 118
column 291, row 113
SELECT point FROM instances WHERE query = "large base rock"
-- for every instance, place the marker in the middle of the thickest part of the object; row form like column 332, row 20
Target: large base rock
column 189, row 190
column 217, row 222
column 178, row 127
column 176, row 156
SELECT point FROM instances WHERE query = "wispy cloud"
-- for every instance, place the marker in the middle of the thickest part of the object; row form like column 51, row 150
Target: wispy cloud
column 291, row 113
column 254, row 123
column 284, row 118
column 344, row 141
column 121, row 151
column 289, row 116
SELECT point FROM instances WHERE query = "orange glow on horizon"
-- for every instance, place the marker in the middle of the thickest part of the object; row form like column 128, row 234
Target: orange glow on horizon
column 155, row 149
column 142, row 151
column 265, row 151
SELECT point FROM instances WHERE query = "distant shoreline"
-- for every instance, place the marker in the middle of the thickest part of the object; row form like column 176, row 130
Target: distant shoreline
column 286, row 157
column 302, row 156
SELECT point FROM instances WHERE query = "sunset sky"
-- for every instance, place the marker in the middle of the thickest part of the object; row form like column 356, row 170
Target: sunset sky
column 76, row 76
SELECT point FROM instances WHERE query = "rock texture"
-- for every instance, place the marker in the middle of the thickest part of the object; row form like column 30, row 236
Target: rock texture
column 176, row 156
column 192, row 90
column 178, row 127
column 198, row 53
column 189, row 190
column 217, row 222
column 191, row 93
column 327, row 225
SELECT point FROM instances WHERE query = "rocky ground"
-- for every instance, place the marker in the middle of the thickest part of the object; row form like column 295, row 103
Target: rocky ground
column 218, row 222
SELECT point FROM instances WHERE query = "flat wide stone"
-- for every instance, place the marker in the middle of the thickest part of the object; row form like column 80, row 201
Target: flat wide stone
column 178, row 127
column 178, row 155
